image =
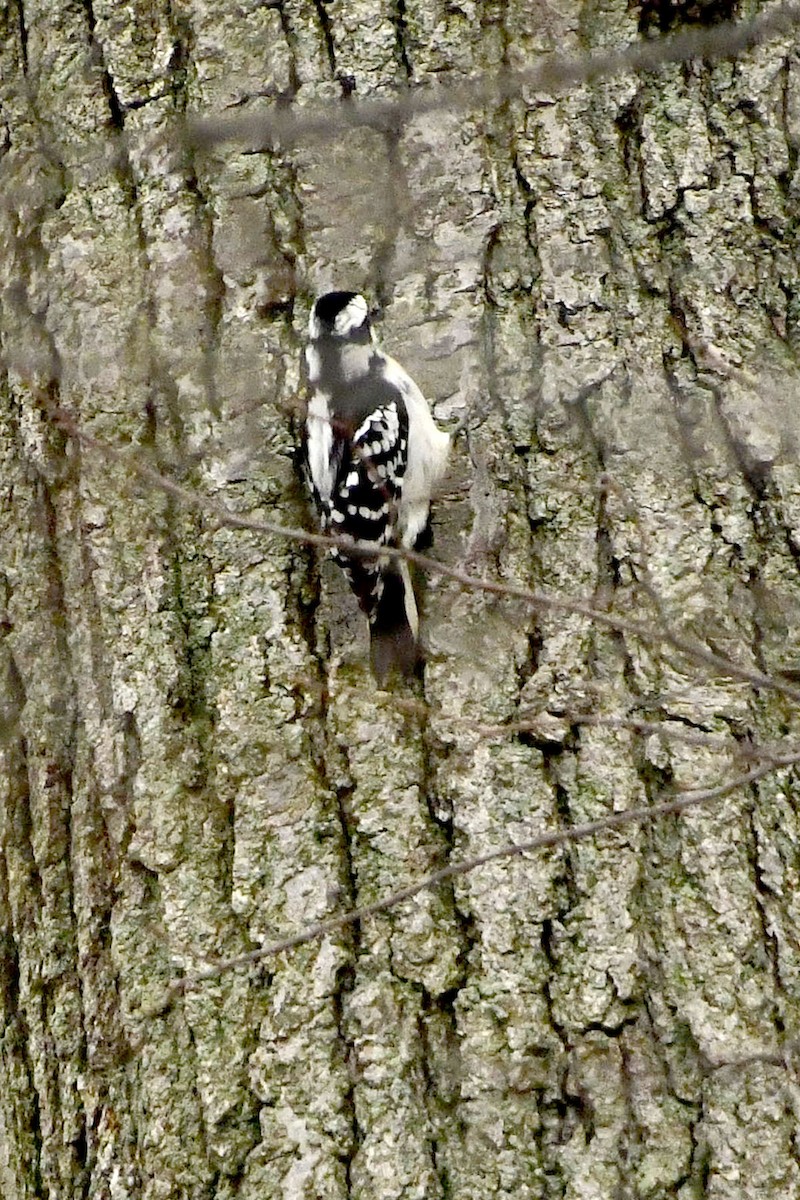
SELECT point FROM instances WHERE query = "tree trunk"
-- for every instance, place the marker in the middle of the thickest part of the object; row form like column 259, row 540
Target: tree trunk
column 602, row 281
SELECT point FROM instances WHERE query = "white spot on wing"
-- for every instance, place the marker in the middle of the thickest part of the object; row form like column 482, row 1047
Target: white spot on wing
column 383, row 426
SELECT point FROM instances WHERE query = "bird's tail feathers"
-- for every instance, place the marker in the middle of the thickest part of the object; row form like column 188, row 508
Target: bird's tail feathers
column 394, row 625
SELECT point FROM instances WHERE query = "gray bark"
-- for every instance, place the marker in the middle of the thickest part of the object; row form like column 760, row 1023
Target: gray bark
column 195, row 760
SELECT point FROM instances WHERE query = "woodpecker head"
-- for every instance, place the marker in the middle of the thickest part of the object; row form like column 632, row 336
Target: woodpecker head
column 340, row 344
column 341, row 317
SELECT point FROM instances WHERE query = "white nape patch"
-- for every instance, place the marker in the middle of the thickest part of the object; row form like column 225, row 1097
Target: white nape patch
column 314, row 327
column 319, row 445
column 352, row 316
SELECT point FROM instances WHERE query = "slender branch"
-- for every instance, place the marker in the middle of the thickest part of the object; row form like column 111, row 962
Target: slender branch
column 538, row 600
column 286, row 120
column 668, row 729
column 681, row 803
column 553, row 74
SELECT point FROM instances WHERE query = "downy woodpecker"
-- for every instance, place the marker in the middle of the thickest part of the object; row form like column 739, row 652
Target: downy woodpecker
column 373, row 456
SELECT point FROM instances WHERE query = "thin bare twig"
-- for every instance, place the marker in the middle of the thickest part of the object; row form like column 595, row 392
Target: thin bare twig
column 288, row 119
column 553, row 74
column 538, row 600
column 668, row 729
column 543, row 841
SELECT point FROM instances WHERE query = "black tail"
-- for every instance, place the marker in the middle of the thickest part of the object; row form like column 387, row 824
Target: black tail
column 394, row 626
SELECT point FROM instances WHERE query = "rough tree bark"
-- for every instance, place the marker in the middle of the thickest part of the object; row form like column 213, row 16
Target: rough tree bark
column 194, row 759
